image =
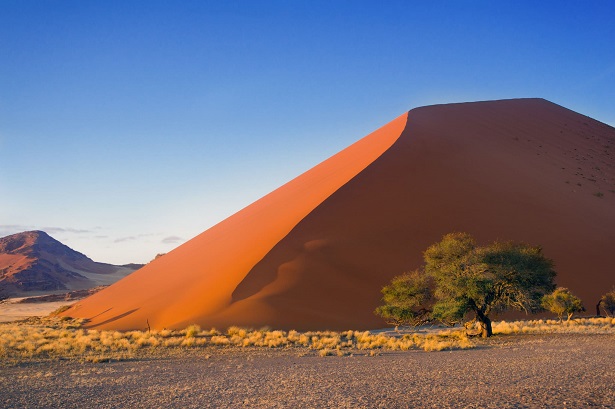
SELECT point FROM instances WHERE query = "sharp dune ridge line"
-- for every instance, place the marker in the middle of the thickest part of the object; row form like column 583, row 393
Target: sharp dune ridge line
column 198, row 278
column 314, row 253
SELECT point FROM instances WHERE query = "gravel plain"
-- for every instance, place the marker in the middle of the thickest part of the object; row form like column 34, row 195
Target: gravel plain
column 513, row 371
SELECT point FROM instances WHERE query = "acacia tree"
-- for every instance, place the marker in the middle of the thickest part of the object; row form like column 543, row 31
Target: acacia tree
column 483, row 280
column 562, row 301
column 608, row 303
column 405, row 299
column 468, row 279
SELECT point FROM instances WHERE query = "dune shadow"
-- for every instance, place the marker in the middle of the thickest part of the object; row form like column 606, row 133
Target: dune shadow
column 117, row 317
column 100, row 313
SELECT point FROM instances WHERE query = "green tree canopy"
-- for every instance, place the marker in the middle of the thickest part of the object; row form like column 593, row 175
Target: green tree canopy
column 405, row 299
column 481, row 280
column 608, row 302
column 562, row 301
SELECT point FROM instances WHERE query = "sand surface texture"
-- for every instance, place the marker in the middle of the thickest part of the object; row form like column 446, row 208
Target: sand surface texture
column 315, row 253
column 566, row 371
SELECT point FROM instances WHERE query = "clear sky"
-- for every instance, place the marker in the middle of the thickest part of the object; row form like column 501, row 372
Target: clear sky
column 127, row 128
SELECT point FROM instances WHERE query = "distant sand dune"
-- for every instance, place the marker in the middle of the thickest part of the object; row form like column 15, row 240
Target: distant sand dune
column 314, row 253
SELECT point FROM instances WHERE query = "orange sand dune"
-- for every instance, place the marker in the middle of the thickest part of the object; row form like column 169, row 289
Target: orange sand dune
column 198, row 278
column 315, row 253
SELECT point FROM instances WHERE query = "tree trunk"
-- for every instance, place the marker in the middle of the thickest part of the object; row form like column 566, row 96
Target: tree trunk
column 485, row 324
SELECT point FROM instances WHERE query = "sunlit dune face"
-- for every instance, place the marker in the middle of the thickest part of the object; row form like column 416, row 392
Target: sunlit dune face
column 216, row 262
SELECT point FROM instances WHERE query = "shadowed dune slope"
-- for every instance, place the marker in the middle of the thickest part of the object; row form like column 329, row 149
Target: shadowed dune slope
column 524, row 169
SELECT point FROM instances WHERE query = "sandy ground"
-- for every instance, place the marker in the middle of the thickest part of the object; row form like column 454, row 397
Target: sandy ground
column 529, row 371
column 10, row 310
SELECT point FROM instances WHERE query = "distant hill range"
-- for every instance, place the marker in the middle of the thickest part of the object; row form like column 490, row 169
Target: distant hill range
column 33, row 263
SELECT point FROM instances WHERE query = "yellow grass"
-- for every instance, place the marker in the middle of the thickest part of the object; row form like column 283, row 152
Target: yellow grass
column 574, row 326
column 54, row 338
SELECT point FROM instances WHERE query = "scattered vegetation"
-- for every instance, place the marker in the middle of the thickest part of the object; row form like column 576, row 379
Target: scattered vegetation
column 404, row 300
column 608, row 303
column 599, row 325
column 54, row 338
column 64, row 338
column 60, row 310
column 562, row 301
column 468, row 279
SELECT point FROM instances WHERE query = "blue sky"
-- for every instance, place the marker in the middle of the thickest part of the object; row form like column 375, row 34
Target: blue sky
column 129, row 127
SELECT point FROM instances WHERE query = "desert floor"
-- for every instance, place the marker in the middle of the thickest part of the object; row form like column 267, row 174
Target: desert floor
column 13, row 310
column 508, row 371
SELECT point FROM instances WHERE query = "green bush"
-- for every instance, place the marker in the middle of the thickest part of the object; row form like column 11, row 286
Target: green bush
column 562, row 301
column 608, row 303
column 404, row 300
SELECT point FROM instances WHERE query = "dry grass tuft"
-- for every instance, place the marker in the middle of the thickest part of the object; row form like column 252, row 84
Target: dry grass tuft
column 55, row 338
column 61, row 338
column 597, row 325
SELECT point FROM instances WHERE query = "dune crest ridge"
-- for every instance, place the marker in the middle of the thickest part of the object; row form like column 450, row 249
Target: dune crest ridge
column 315, row 253
column 179, row 286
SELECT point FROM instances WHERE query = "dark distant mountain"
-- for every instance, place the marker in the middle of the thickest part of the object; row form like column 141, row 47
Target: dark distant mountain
column 34, row 262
